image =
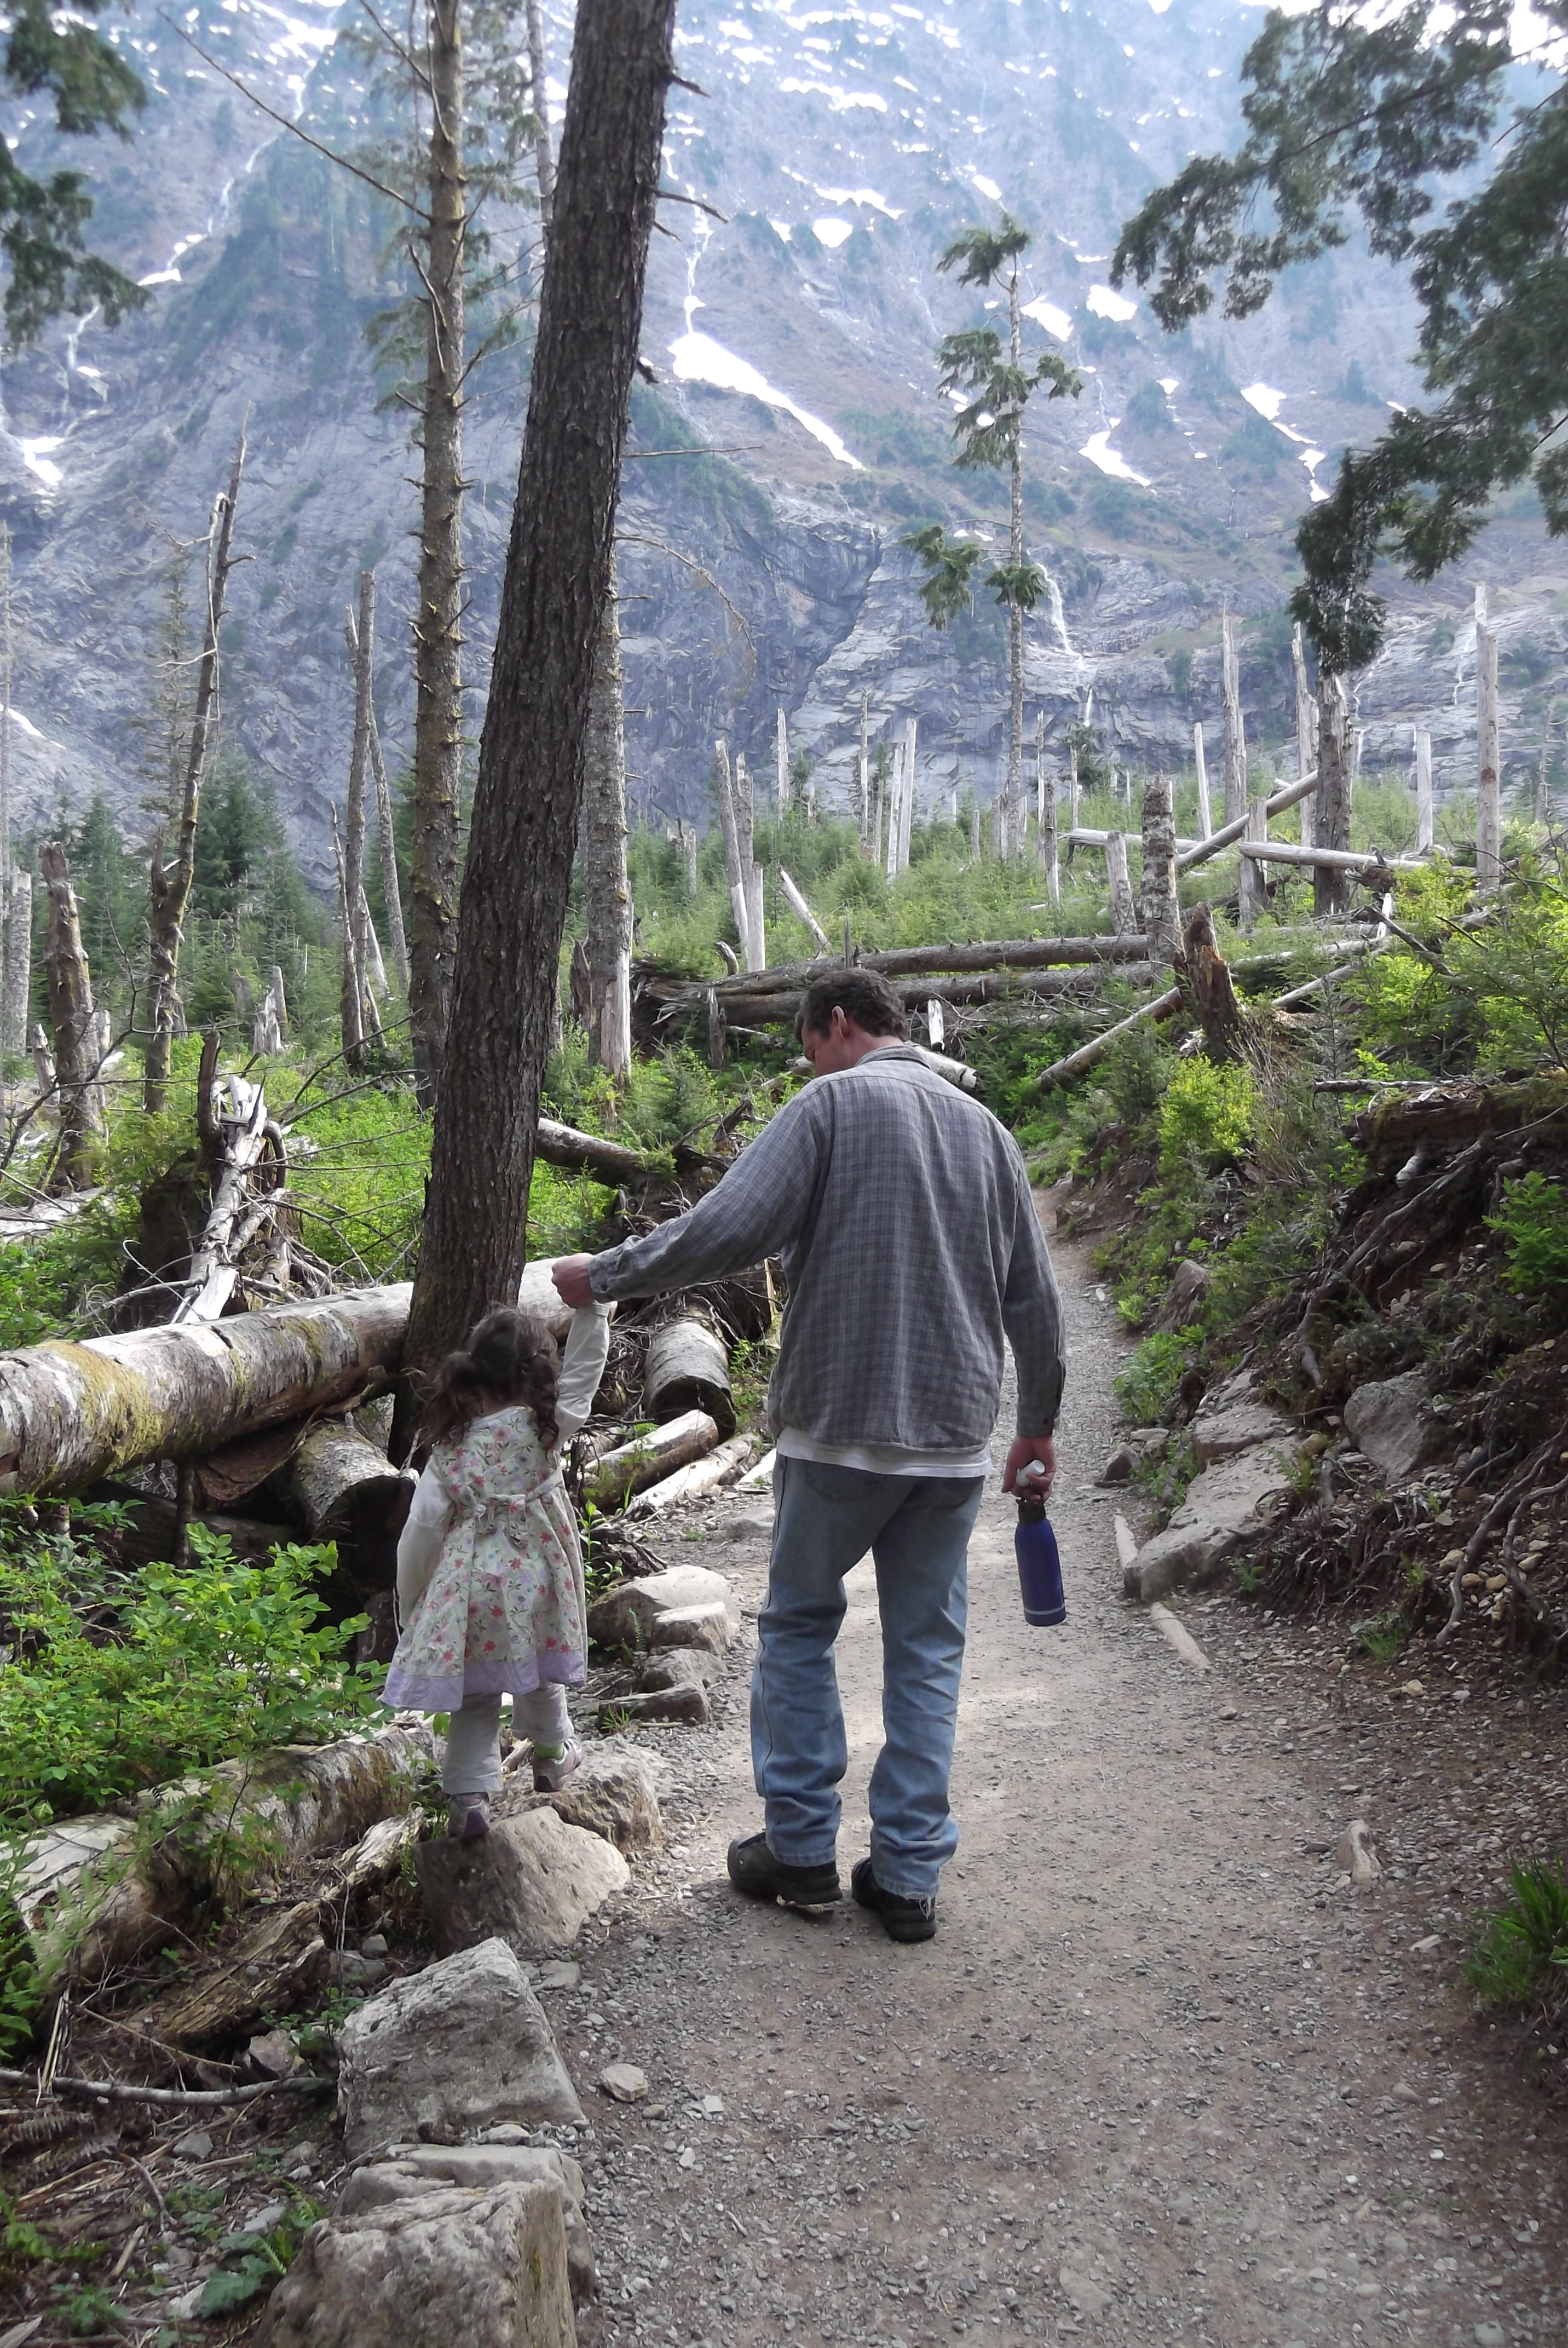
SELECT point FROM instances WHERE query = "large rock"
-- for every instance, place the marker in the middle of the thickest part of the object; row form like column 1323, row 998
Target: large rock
column 1391, row 1423
column 532, row 1881
column 1234, row 1423
column 413, row 2169
column 686, row 1607
column 1184, row 1299
column 1224, row 1506
column 611, row 1793
column 450, row 2050
column 485, row 2268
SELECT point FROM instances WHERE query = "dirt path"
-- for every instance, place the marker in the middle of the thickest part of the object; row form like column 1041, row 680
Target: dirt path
column 1157, row 2077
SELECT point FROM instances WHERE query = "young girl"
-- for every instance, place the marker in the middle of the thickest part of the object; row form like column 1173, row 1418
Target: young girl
column 489, row 1567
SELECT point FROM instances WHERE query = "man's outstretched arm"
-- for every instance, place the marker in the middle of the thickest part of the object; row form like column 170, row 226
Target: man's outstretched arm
column 757, row 1209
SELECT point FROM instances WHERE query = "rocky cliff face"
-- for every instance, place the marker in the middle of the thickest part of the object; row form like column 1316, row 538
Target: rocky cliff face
column 794, row 435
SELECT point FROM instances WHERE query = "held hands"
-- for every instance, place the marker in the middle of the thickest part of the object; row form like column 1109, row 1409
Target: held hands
column 570, row 1277
column 1025, row 1448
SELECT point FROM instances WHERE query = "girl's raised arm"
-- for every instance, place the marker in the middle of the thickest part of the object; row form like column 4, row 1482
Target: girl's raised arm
column 583, row 1366
column 419, row 1543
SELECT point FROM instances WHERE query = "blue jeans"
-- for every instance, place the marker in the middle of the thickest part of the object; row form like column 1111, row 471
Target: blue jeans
column 918, row 1530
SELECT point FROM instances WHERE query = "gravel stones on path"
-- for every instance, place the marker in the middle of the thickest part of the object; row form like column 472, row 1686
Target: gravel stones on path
column 1158, row 2077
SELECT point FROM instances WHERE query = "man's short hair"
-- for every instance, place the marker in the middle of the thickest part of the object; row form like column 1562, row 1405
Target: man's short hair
column 865, row 998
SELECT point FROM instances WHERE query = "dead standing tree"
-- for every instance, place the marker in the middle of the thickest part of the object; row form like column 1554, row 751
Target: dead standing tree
column 169, row 890
column 361, row 640
column 73, row 1026
column 531, row 755
column 606, row 889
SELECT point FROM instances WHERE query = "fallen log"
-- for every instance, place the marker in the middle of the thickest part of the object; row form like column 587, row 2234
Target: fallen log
column 719, row 1467
column 342, row 1489
column 633, row 1466
column 1060, row 1071
column 898, row 962
column 1289, row 795
column 589, row 1153
column 71, row 1413
column 266, row 1972
column 686, row 1367
column 1330, row 859
column 1438, row 1120
column 783, row 1008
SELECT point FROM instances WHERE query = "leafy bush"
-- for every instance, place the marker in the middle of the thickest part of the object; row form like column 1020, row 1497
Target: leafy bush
column 1146, row 1388
column 1520, row 1957
column 1533, row 1222
column 1206, row 1116
column 192, row 1664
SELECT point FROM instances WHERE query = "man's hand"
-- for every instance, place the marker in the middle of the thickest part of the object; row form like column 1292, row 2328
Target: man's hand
column 1025, row 1448
column 570, row 1276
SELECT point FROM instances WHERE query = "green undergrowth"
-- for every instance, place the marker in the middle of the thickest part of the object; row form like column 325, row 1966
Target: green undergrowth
column 115, row 1681
column 1519, row 1958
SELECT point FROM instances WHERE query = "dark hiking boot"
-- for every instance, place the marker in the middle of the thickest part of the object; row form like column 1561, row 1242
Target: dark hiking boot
column 902, row 1920
column 753, row 1869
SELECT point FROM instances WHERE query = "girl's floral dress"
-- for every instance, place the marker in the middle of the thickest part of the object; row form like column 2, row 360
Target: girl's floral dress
column 504, row 1608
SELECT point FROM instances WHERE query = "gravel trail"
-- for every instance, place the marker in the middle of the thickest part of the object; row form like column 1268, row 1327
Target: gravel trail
column 1160, row 2075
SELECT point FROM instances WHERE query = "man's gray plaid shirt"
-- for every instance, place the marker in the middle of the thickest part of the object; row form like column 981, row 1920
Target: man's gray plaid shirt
column 901, row 1210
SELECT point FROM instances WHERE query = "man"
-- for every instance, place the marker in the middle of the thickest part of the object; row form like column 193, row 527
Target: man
column 902, row 1212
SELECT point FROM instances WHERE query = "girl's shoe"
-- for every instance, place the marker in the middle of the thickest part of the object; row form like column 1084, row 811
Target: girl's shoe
column 550, row 1776
column 468, row 1816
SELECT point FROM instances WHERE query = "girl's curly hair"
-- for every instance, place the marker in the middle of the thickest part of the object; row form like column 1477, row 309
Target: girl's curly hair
column 510, row 1357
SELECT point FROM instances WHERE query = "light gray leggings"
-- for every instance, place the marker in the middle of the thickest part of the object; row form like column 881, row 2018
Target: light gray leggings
column 473, row 1762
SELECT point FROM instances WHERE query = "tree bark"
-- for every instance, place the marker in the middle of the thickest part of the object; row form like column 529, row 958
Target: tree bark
column 730, row 840
column 613, row 1479
column 361, row 640
column 781, row 762
column 552, row 601
column 1205, row 814
column 437, row 635
column 71, row 1413
column 1251, row 900
column 18, row 972
column 607, row 891
column 1331, row 821
column 70, row 992
column 1425, row 828
column 1306, row 728
column 865, row 769
column 1235, row 726
column 169, row 891
column 1162, row 912
column 1488, row 756
column 1124, row 912
column 687, row 1367
column 392, row 894
column 1203, row 974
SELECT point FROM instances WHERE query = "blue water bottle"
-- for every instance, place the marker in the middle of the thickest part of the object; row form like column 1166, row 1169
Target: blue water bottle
column 1039, row 1564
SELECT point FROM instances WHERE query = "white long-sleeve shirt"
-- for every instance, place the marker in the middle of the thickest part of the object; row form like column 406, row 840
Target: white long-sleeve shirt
column 430, row 1510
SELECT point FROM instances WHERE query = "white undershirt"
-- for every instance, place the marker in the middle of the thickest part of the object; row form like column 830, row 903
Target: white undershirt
column 884, row 1459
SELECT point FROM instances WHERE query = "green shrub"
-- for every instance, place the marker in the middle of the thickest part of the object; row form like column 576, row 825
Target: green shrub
column 1533, row 1222
column 1521, row 1956
column 194, row 1665
column 1146, row 1388
column 1206, row 1116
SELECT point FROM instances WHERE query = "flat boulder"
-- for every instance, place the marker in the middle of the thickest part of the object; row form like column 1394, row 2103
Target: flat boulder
column 687, row 1606
column 483, row 2266
column 1391, row 1423
column 1224, row 1507
column 410, row 2171
column 1234, row 1423
column 533, row 1882
column 449, row 2050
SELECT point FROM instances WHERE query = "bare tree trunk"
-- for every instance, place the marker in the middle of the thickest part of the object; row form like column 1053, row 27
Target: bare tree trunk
column 5, row 894
column 1014, row 822
column 1235, row 727
column 170, row 890
column 1541, row 809
column 1251, row 887
column 1489, row 777
column 1425, row 826
column 1205, row 813
column 607, row 892
column 907, row 797
column 437, row 635
column 543, row 161
column 1331, row 824
column 1162, row 912
column 552, row 599
column 391, row 895
column 18, row 972
column 1073, row 786
column 729, row 835
column 1204, row 975
column 780, row 763
column 1124, row 912
column 865, row 768
column 361, row 640
column 1306, row 728
column 1046, row 848
column 74, row 1028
